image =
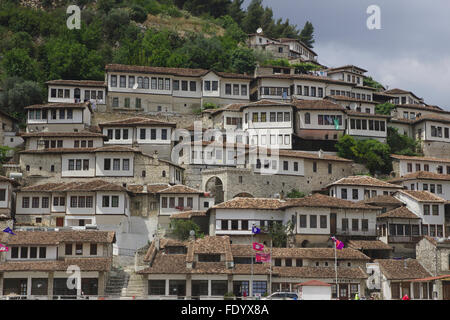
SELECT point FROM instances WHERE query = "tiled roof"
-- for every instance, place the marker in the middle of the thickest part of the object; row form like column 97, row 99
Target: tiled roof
column 188, row 214
column 345, row 98
column 415, row 158
column 402, row 212
column 364, row 181
column 87, row 83
column 62, row 134
column 383, row 200
column 400, row 91
column 318, row 253
column 422, row 107
column 137, row 121
column 368, row 245
column 54, row 105
column 235, row 107
column 93, row 185
column 302, row 154
column 156, row 70
column 85, row 264
column 365, row 114
column 437, row 241
column 167, row 263
column 320, row 272
column 317, row 105
column 82, row 150
column 424, row 175
column 56, row 237
column 179, row 189
column 395, row 269
column 432, row 117
column 320, row 200
column 150, row 188
column 314, row 283
column 233, row 75
column 422, row 196
column 347, row 67
column 12, row 181
column 306, row 77
column 266, row 103
column 245, row 250
column 251, row 203
column 213, row 244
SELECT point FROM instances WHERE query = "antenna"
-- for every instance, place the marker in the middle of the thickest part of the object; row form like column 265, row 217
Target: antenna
column 259, row 30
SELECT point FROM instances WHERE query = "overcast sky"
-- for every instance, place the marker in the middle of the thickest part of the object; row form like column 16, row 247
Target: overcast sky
column 410, row 52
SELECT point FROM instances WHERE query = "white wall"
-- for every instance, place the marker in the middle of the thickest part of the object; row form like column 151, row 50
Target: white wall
column 100, row 161
column 316, row 293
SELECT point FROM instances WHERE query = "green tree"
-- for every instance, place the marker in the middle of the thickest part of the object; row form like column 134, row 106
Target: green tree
column 307, row 34
column 17, row 62
column 294, row 193
column 401, row 144
column 243, row 60
column 18, row 93
column 279, row 232
column 305, row 67
column 181, row 229
column 384, row 108
column 374, row 154
column 369, row 82
column 4, row 151
column 235, row 11
column 253, row 19
column 345, row 147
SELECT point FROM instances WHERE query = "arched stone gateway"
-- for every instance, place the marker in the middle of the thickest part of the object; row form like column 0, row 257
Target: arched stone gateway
column 244, row 195
column 215, row 186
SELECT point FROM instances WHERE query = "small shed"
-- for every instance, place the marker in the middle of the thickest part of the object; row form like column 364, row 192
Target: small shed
column 314, row 290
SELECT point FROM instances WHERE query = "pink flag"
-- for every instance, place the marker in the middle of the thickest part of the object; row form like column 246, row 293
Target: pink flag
column 3, row 248
column 262, row 257
column 339, row 244
column 258, row 246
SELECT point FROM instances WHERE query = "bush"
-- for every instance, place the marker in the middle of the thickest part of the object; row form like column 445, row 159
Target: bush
column 182, row 228
column 174, row 12
column 138, row 14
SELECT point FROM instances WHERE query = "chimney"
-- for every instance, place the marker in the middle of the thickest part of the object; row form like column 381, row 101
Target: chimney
column 320, row 153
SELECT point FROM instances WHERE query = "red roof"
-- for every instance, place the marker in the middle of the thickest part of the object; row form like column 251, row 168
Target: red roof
column 314, row 283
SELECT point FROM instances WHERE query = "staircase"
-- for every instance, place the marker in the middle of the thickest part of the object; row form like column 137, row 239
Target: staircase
column 125, row 284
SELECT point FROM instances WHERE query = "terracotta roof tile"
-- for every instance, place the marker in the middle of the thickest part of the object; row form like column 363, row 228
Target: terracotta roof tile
column 180, row 189
column 364, row 181
column 54, row 105
column 368, row 245
column 320, row 200
column 365, row 114
column 383, row 199
column 56, row 237
column 251, row 203
column 414, row 158
column 188, row 214
column 345, row 98
column 137, row 121
column 317, row 105
column 266, row 103
column 395, row 269
column 87, row 83
column 320, row 272
column 62, row 134
column 314, row 283
column 85, row 264
column 300, row 154
column 93, row 185
column 12, row 181
column 156, row 70
column 422, row 196
column 402, row 212
column 318, row 253
column 424, row 175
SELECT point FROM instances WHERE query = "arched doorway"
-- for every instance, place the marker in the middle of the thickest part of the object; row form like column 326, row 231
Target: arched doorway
column 215, row 186
column 243, row 195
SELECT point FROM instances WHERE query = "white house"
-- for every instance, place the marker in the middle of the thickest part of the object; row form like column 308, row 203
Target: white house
column 76, row 91
column 403, row 165
column 358, row 188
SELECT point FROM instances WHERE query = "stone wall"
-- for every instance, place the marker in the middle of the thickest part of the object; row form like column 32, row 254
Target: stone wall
column 436, row 149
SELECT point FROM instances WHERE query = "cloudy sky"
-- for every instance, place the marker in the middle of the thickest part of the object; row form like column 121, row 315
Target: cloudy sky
column 411, row 51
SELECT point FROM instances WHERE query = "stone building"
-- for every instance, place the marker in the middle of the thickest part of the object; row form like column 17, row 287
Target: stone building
column 36, row 263
column 210, row 267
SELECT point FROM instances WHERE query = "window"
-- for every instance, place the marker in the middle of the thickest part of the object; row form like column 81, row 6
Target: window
column 45, row 202
column 343, row 193
column 365, row 225
column 235, row 89
column 33, row 252
column 330, row 168
column 314, row 166
column 345, row 224
column 24, row 252
column 285, row 165
column 426, row 209
column 116, row 164
column 435, row 210
column 68, row 249
column 303, row 221
column 313, row 221
column 25, row 202
column 93, row 249
column 105, row 201
column 113, row 81
column 126, row 164
column 123, row 81
column 42, row 252
column 323, row 222
column 157, row 287
column 79, row 249
column 355, row 224
column 153, row 134
column 243, row 89
column 35, row 202
column 355, row 194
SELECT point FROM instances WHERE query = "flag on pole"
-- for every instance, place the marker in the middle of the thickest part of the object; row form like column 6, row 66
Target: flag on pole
column 339, row 244
column 258, row 246
column 336, row 123
column 8, row 230
column 3, row 248
column 256, row 230
column 262, row 257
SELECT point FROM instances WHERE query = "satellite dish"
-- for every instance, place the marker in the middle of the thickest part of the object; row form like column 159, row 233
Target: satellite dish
column 259, row 31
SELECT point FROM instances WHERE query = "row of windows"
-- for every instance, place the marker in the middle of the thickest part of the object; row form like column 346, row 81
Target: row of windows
column 351, row 78
column 327, row 120
column 409, row 115
column 79, row 249
column 156, row 83
column 81, row 201
column 426, row 167
column 28, row 252
column 274, row 165
column 137, row 105
column 88, row 94
column 437, row 132
column 434, row 207
column 53, row 144
column 273, row 117
column 37, row 114
column 171, row 202
column 355, row 193
column 245, row 224
column 348, row 94
column 273, row 139
column 78, row 164
column 404, row 99
column 274, row 91
column 355, row 224
column 116, row 164
column 35, row 202
column 374, row 125
column 75, row 201
column 434, row 188
column 233, row 121
column 235, row 91
column 313, row 221
column 76, row 144
column 309, row 91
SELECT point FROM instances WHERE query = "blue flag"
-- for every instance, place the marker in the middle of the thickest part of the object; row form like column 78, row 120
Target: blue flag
column 8, row 230
column 256, row 230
